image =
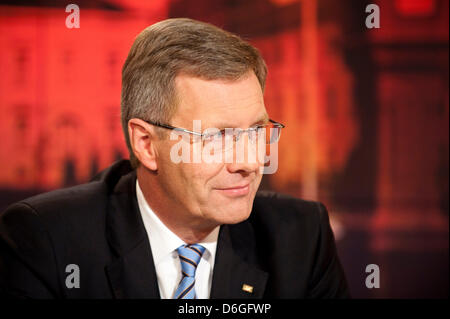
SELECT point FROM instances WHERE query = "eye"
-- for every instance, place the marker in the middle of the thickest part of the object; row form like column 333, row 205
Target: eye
column 213, row 135
column 220, row 134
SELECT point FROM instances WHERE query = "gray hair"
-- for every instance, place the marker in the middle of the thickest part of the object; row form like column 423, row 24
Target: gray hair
column 171, row 47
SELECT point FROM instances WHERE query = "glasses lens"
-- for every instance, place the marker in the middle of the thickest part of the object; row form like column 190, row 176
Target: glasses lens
column 271, row 133
column 229, row 138
column 213, row 140
column 226, row 139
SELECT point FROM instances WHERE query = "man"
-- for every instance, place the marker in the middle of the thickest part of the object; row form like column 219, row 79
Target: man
column 159, row 227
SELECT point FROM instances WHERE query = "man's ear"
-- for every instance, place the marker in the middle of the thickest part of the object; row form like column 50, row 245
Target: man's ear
column 142, row 140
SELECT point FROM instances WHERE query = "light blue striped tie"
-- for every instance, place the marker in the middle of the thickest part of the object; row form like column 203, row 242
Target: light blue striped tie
column 190, row 256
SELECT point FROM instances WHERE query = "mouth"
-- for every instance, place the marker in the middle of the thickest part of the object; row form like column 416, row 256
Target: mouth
column 235, row 191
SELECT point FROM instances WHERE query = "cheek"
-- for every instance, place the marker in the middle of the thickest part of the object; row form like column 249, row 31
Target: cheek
column 192, row 183
column 204, row 176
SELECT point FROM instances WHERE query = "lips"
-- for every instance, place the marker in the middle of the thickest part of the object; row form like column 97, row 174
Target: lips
column 240, row 190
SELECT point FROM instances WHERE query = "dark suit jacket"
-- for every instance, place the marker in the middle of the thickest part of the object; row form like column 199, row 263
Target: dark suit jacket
column 285, row 249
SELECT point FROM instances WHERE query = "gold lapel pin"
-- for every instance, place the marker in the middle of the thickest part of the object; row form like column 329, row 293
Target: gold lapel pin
column 247, row 288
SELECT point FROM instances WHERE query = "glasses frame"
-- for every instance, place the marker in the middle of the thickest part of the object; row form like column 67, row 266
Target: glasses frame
column 254, row 128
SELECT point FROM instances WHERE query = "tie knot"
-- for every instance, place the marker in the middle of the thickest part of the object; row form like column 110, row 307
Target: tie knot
column 190, row 256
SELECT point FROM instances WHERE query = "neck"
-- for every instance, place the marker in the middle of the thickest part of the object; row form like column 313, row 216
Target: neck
column 172, row 214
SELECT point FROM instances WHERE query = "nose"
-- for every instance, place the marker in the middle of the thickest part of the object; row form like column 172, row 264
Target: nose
column 244, row 157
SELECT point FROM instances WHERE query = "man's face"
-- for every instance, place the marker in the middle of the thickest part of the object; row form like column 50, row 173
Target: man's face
column 215, row 193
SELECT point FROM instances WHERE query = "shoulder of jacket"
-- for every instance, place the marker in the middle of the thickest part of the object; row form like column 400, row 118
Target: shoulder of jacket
column 277, row 207
column 75, row 200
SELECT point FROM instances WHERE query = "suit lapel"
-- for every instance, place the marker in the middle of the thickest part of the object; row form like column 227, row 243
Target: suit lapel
column 132, row 272
column 235, row 275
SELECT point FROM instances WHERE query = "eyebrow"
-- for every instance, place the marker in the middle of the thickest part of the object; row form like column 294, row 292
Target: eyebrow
column 263, row 119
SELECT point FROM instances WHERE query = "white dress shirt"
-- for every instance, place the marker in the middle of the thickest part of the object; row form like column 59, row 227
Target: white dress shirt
column 164, row 244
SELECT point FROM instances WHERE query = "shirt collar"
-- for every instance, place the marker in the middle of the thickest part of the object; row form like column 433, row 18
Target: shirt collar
column 163, row 241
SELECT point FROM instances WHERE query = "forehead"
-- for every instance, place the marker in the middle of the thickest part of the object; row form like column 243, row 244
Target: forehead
column 218, row 103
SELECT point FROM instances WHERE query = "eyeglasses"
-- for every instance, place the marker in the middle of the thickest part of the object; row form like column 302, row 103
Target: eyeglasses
column 226, row 138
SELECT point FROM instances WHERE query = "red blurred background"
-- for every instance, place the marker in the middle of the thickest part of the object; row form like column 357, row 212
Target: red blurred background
column 366, row 114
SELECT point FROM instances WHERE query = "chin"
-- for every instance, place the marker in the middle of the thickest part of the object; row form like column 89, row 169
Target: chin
column 233, row 214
